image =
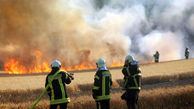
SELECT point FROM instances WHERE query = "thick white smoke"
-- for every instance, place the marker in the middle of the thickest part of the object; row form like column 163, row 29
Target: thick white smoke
column 150, row 25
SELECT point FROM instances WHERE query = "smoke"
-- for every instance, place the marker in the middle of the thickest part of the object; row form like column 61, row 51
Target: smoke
column 154, row 25
column 73, row 31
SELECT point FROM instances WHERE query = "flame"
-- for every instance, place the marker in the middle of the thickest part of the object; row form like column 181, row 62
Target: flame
column 14, row 66
column 116, row 64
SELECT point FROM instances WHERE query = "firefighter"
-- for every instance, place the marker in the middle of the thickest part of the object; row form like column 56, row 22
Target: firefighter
column 56, row 80
column 132, row 82
column 186, row 53
column 102, row 85
column 156, row 56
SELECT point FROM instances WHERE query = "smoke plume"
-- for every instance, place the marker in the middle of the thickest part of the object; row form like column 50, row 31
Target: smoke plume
column 73, row 31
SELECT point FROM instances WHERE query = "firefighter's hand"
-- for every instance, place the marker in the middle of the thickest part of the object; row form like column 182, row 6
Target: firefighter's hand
column 71, row 75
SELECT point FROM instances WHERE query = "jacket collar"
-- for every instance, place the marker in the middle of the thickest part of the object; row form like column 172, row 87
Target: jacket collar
column 102, row 68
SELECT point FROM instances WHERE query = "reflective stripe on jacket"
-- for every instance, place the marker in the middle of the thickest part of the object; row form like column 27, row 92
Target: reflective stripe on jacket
column 102, row 85
column 57, row 88
column 132, row 77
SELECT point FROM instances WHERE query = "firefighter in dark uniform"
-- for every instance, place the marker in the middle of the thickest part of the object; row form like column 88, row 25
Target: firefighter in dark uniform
column 156, row 56
column 56, row 80
column 186, row 53
column 132, row 82
column 102, row 85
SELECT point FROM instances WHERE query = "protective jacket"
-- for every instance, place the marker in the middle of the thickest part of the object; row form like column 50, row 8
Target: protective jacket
column 156, row 56
column 57, row 88
column 102, row 85
column 186, row 53
column 132, row 76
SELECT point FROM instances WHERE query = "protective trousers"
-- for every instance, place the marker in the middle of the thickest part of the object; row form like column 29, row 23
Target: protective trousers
column 103, row 104
column 132, row 99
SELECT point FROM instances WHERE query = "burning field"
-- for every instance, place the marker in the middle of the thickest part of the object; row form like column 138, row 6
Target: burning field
column 168, row 87
column 34, row 33
column 78, row 32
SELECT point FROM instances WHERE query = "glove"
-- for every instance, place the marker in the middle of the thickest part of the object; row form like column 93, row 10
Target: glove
column 71, row 75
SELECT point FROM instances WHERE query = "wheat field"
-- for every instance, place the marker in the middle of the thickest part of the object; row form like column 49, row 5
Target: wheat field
column 180, row 97
column 148, row 70
column 165, row 85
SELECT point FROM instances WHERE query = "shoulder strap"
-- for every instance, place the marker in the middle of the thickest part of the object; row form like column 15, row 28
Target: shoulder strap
column 53, row 76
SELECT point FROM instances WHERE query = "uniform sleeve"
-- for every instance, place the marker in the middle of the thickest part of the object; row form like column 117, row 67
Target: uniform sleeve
column 66, row 79
column 138, row 69
column 96, row 87
column 49, row 89
column 124, row 70
column 111, row 81
column 46, row 81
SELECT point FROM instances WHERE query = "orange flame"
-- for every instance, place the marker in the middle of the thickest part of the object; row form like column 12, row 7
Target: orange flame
column 13, row 66
column 116, row 64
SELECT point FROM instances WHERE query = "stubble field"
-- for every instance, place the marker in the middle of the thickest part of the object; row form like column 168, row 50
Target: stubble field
column 165, row 85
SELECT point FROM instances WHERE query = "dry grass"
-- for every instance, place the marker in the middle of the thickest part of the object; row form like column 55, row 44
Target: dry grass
column 161, row 98
column 85, row 89
column 21, row 91
column 81, row 94
column 148, row 70
column 168, row 68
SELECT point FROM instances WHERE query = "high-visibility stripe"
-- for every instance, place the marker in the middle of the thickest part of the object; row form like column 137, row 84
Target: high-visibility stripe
column 66, row 76
column 96, row 87
column 99, row 104
column 103, row 85
column 63, row 99
column 56, row 77
column 97, row 77
column 106, row 73
column 50, row 79
column 135, row 81
column 128, row 71
column 52, row 92
column 137, row 75
column 125, row 84
column 102, row 97
column 139, row 69
column 58, row 101
column 134, row 88
column 62, row 88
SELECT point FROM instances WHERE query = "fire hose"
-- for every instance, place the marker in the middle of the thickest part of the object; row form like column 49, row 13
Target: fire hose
column 44, row 91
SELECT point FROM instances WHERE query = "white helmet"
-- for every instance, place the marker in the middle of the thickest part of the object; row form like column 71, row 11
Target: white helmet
column 129, row 58
column 56, row 63
column 101, row 62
